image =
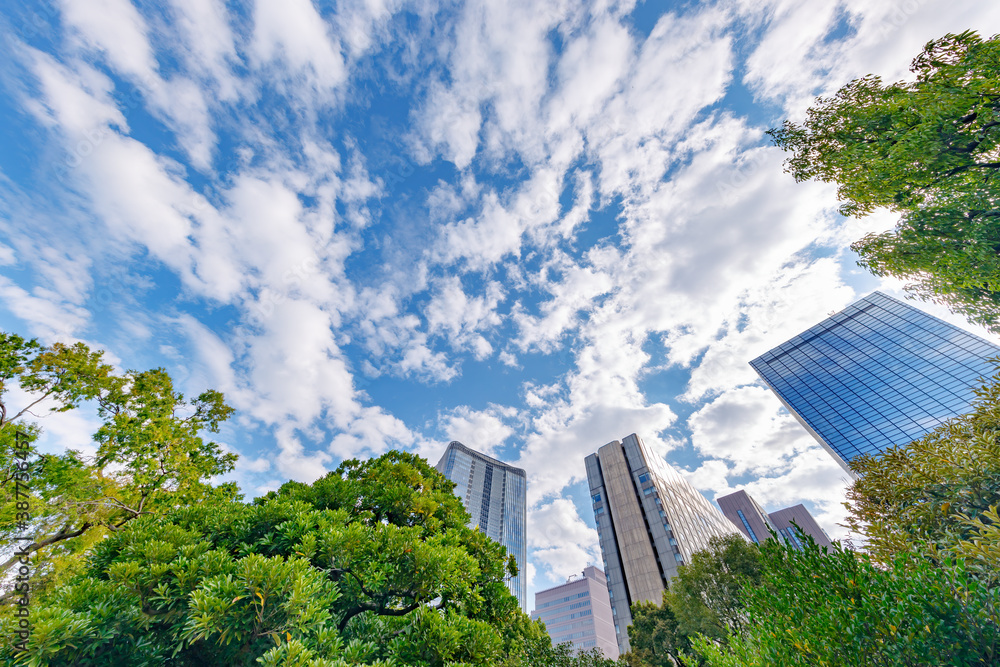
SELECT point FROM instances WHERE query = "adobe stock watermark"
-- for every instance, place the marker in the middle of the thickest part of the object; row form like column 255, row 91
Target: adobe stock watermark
column 90, row 140
column 41, row 19
column 114, row 288
column 22, row 514
column 899, row 14
column 747, row 166
column 291, row 281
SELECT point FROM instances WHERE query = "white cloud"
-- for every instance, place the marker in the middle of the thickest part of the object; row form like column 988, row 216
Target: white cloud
column 482, row 430
column 590, row 69
column 452, row 314
column 293, row 33
column 750, row 428
column 209, row 44
column 421, row 362
column 60, row 431
column 508, row 358
column 559, row 540
column 294, row 463
column 47, row 315
column 797, row 59
column 572, row 295
column 482, row 240
column 450, row 123
column 248, row 465
column 801, row 295
column 297, row 370
column 682, row 67
column 371, row 433
column 115, row 30
column 497, row 57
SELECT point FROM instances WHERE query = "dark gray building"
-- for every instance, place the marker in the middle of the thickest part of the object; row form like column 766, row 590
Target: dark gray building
column 579, row 612
column 650, row 521
column 787, row 519
column 495, row 495
column 747, row 516
column 756, row 524
column 877, row 374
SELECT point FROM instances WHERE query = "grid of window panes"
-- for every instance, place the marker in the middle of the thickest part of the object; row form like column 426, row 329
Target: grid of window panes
column 507, row 494
column 746, row 524
column 877, row 374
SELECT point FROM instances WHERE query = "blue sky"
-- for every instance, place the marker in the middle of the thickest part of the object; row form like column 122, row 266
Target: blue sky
column 374, row 224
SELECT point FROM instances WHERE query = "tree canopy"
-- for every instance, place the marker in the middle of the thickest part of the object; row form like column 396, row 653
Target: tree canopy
column 703, row 599
column 150, row 454
column 933, row 496
column 138, row 559
column 372, row 564
column 926, row 148
column 837, row 608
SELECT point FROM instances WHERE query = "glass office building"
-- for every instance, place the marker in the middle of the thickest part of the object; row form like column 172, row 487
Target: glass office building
column 877, row 374
column 495, row 495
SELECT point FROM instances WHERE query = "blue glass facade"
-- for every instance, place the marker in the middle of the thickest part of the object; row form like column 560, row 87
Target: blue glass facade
column 749, row 530
column 495, row 495
column 877, row 374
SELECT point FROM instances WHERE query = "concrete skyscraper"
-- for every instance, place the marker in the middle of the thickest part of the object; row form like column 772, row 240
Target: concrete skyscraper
column 579, row 612
column 649, row 522
column 757, row 524
column 877, row 374
column 495, row 495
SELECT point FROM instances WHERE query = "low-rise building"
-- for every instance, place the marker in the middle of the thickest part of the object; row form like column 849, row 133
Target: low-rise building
column 579, row 612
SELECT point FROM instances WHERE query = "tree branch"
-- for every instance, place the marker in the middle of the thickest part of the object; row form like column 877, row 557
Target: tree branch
column 64, row 534
column 966, row 167
column 381, row 609
column 378, row 609
column 31, row 405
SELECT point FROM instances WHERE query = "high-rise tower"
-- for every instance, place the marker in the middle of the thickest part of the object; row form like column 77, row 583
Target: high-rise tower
column 878, row 373
column 495, row 495
column 649, row 522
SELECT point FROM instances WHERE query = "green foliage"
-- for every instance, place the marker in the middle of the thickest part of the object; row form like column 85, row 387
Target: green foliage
column 705, row 594
column 927, row 149
column 927, row 591
column 704, row 598
column 371, row 565
column 654, row 635
column 399, row 487
column 838, row 609
column 150, row 458
column 982, row 548
column 932, row 495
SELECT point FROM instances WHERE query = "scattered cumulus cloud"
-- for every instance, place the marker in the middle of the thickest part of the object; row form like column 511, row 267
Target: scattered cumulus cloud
column 531, row 228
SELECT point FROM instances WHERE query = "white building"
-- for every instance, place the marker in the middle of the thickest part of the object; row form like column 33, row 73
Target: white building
column 579, row 612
